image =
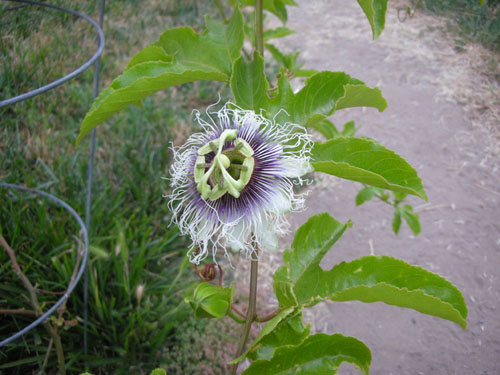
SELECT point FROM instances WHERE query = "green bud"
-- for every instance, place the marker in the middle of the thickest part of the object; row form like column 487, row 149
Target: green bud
column 210, row 301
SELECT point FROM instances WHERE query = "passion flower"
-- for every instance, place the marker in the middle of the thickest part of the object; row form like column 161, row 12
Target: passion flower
column 232, row 183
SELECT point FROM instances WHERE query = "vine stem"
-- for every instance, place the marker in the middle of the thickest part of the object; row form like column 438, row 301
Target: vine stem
column 221, row 9
column 259, row 26
column 254, row 268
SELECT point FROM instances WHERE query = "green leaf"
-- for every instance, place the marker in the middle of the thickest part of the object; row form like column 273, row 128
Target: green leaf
column 399, row 197
column 249, row 83
column 365, row 195
column 279, row 32
column 365, row 161
column 276, row 7
column 268, row 329
column 282, row 100
column 396, row 221
column 375, row 13
column 181, row 55
column 283, row 287
column 311, row 243
column 22, row 361
column 150, row 53
column 411, row 218
column 318, row 354
column 349, row 129
column 367, row 279
column 289, row 61
column 210, row 301
column 326, row 128
column 306, row 73
column 322, row 95
column 394, row 282
column 279, row 56
column 361, row 96
column 289, row 331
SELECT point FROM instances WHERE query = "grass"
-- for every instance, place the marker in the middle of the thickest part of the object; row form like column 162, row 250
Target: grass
column 469, row 20
column 132, row 243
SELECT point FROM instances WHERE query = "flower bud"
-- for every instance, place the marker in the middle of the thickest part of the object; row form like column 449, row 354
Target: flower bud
column 210, row 301
column 209, row 272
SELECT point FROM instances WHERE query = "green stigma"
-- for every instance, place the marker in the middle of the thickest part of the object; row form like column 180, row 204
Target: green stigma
column 229, row 172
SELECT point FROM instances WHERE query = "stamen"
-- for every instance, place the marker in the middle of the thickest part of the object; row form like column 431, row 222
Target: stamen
column 203, row 165
column 245, row 148
column 240, row 167
column 221, row 180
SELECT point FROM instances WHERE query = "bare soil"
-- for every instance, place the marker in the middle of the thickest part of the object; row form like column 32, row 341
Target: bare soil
column 443, row 118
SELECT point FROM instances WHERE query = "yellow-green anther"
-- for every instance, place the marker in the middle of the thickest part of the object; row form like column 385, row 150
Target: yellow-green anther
column 199, row 171
column 233, row 191
column 246, row 173
column 216, row 193
column 209, row 147
column 243, row 147
column 205, row 189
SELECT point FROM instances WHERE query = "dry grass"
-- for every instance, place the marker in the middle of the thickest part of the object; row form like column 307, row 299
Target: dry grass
column 467, row 74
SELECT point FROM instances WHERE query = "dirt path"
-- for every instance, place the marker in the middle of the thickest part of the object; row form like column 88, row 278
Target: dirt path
column 439, row 119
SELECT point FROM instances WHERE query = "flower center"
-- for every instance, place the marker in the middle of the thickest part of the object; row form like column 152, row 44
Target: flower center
column 229, row 171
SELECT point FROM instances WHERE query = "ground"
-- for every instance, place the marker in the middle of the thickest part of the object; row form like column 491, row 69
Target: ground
column 442, row 118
